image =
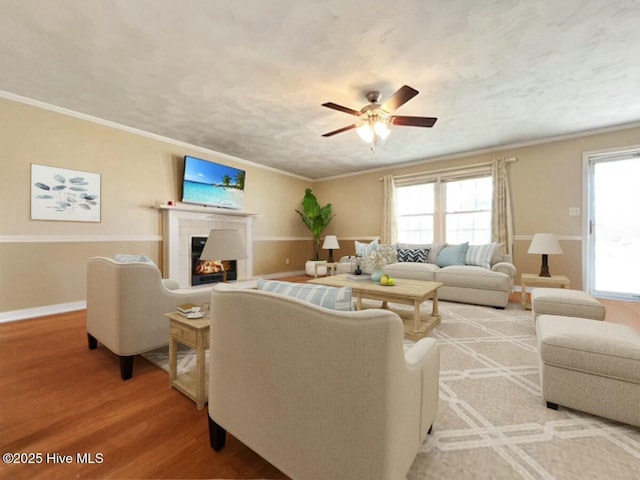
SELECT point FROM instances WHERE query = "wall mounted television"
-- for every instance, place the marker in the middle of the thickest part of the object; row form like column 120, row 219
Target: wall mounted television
column 212, row 184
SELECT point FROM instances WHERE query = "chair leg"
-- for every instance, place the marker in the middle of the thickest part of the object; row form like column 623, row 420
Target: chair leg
column 430, row 428
column 126, row 366
column 93, row 341
column 551, row 405
column 217, row 435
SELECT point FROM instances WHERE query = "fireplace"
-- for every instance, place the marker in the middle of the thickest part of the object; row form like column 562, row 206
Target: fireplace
column 209, row 271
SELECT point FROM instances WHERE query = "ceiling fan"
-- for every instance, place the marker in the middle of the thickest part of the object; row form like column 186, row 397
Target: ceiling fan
column 374, row 119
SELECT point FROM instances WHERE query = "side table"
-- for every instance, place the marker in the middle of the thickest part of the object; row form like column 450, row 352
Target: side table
column 194, row 334
column 533, row 280
column 330, row 266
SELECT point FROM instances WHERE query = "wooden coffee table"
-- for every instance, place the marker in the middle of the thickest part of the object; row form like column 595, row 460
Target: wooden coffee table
column 408, row 292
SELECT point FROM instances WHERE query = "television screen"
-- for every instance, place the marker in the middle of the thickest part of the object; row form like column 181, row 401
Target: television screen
column 212, row 184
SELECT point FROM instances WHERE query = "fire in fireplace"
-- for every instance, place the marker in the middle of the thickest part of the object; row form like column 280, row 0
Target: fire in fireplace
column 209, row 271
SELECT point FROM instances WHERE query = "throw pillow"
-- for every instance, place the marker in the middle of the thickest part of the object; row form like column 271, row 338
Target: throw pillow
column 436, row 248
column 453, row 255
column 414, row 255
column 364, row 249
column 480, row 255
column 327, row 297
column 125, row 258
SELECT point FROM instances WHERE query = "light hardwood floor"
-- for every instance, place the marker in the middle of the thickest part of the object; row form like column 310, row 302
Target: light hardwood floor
column 56, row 396
column 59, row 397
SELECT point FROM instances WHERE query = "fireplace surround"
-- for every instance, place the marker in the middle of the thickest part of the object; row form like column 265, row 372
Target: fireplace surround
column 182, row 223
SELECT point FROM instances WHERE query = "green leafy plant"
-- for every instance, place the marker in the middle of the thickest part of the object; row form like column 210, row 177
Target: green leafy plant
column 315, row 217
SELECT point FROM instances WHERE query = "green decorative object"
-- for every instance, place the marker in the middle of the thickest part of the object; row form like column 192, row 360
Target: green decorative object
column 315, row 217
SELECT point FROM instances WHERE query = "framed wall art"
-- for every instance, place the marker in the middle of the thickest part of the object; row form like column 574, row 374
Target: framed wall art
column 64, row 195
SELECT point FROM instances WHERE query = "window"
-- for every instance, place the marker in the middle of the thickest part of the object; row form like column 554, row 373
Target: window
column 468, row 210
column 415, row 207
column 452, row 209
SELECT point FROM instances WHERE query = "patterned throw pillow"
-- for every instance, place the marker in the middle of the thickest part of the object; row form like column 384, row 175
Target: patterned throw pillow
column 419, row 255
column 480, row 255
column 364, row 249
column 327, row 297
column 453, row 255
column 126, row 258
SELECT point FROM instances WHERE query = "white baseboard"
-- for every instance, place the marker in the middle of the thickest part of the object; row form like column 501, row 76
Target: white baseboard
column 13, row 315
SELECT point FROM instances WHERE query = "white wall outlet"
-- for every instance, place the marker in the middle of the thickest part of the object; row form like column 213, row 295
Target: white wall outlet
column 574, row 211
column 286, row 261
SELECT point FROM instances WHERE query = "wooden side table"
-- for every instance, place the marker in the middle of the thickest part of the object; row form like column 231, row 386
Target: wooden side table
column 533, row 280
column 194, row 334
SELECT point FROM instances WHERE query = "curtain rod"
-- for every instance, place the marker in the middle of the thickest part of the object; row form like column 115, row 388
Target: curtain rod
column 450, row 169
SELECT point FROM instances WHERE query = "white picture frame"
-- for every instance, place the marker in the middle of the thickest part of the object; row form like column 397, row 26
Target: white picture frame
column 67, row 195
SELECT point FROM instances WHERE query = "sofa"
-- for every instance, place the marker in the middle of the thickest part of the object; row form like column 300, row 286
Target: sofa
column 126, row 303
column 476, row 274
column 317, row 392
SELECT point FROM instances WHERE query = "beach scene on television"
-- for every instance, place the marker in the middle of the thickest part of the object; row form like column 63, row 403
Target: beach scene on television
column 212, row 184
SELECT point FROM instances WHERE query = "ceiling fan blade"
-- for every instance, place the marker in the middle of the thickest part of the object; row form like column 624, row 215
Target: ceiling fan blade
column 340, row 130
column 413, row 121
column 402, row 96
column 340, row 108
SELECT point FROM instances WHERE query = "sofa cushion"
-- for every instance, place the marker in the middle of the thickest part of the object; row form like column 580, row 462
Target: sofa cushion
column 412, row 270
column 473, row 277
column 453, row 255
column 327, row 297
column 481, row 255
column 418, row 255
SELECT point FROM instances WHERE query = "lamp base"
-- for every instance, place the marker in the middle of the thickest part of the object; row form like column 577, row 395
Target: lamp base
column 330, row 258
column 544, row 269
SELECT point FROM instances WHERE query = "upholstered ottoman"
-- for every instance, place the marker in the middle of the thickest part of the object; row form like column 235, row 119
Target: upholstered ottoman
column 561, row 301
column 591, row 366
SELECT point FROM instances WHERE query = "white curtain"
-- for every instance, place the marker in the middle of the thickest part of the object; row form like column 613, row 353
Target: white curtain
column 389, row 226
column 502, row 219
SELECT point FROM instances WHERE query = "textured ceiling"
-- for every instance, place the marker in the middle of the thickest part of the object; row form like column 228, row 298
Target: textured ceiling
column 246, row 78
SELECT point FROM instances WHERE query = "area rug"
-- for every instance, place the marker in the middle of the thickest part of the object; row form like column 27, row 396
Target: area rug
column 492, row 422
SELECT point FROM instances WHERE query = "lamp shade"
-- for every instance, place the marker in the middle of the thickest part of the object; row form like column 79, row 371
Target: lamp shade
column 224, row 245
column 330, row 242
column 545, row 243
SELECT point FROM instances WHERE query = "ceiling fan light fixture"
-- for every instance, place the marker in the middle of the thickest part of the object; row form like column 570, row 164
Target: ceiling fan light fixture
column 365, row 132
column 381, row 129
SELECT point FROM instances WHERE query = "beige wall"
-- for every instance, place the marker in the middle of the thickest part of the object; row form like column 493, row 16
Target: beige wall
column 546, row 181
column 38, row 267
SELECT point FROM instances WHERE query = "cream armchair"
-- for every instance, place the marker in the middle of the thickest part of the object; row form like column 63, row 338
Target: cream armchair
column 126, row 303
column 318, row 393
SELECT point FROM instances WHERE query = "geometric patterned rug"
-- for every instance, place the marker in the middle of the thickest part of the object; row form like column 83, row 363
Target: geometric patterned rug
column 492, row 422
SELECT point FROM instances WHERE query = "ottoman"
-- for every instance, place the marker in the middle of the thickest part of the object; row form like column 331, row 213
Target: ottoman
column 570, row 303
column 591, row 366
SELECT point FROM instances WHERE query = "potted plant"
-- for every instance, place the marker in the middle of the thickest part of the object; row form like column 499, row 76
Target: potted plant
column 316, row 219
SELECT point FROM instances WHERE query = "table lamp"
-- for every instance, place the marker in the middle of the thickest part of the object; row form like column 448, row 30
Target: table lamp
column 545, row 244
column 330, row 243
column 224, row 245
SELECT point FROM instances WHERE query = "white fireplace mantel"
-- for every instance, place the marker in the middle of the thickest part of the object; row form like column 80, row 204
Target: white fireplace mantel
column 181, row 222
